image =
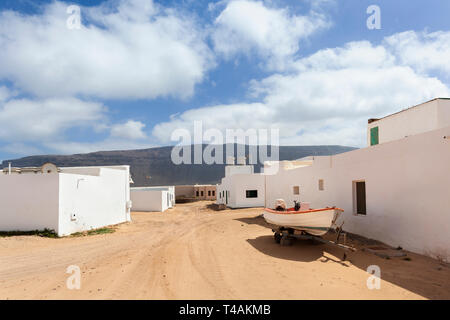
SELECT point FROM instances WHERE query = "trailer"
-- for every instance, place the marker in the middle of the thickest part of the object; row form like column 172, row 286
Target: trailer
column 285, row 236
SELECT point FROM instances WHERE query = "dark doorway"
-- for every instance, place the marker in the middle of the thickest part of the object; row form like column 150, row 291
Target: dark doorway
column 360, row 193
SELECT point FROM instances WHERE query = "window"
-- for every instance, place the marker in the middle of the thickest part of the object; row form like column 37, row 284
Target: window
column 196, row 193
column 374, row 136
column 220, row 195
column 213, row 193
column 321, row 188
column 359, row 197
column 209, row 193
column 251, row 193
column 201, row 193
column 296, row 190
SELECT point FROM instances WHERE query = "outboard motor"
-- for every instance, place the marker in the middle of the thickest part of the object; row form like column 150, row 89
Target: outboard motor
column 296, row 205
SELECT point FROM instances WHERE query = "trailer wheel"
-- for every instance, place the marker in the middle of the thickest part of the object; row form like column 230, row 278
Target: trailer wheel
column 285, row 241
column 277, row 237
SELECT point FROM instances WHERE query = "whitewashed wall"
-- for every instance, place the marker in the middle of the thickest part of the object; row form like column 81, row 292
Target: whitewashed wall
column 153, row 198
column 407, row 190
column 29, row 202
column 238, row 169
column 96, row 201
column 237, row 185
column 428, row 116
column 65, row 202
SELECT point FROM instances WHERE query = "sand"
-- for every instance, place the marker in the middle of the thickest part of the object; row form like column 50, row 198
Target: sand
column 192, row 252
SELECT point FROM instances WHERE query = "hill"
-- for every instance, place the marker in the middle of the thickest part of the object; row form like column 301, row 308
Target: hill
column 152, row 167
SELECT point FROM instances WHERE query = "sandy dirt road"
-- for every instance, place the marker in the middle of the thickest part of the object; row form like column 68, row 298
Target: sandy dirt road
column 192, row 252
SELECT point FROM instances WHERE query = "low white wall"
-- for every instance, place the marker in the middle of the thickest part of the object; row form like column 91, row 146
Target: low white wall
column 96, row 201
column 238, row 169
column 29, row 202
column 151, row 199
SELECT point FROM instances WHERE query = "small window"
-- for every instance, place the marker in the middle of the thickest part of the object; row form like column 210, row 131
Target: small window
column 321, row 185
column 201, row 193
column 296, row 190
column 209, row 193
column 359, row 197
column 213, row 193
column 251, row 194
column 196, row 193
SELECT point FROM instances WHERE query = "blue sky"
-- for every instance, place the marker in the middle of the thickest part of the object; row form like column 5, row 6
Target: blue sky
column 138, row 70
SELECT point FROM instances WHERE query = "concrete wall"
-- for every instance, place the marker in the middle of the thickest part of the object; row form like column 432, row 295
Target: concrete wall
column 65, row 202
column 443, row 113
column 191, row 191
column 29, row 202
column 238, row 169
column 205, row 192
column 425, row 117
column 186, row 191
column 90, row 202
column 153, row 198
column 407, row 191
column 236, row 187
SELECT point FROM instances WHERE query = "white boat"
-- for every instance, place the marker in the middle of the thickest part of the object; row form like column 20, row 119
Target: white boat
column 316, row 222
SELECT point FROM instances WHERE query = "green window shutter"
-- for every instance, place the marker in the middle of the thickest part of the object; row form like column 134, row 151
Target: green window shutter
column 374, row 136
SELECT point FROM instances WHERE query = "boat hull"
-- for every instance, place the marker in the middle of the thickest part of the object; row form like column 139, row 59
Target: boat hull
column 315, row 222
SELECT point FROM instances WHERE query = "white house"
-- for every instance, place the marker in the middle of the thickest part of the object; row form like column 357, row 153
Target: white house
column 397, row 190
column 428, row 116
column 65, row 200
column 153, row 198
column 241, row 188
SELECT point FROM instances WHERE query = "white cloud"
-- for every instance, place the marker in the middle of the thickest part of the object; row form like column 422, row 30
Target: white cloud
column 46, row 119
column 272, row 33
column 129, row 49
column 327, row 99
column 37, row 126
column 424, row 51
column 131, row 129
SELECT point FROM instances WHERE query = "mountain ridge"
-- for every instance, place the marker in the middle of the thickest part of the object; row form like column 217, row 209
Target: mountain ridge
column 153, row 166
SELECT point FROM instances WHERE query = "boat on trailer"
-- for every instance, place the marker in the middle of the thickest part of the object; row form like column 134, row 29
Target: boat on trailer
column 301, row 222
column 316, row 222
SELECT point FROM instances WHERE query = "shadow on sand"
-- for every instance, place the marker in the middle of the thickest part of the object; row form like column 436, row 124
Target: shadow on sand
column 300, row 250
column 419, row 274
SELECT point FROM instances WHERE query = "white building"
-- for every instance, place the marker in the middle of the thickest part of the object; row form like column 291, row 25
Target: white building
column 397, row 190
column 153, row 198
column 65, row 200
column 241, row 188
column 428, row 116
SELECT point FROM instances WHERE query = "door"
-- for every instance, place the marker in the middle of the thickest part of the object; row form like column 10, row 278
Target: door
column 361, row 197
